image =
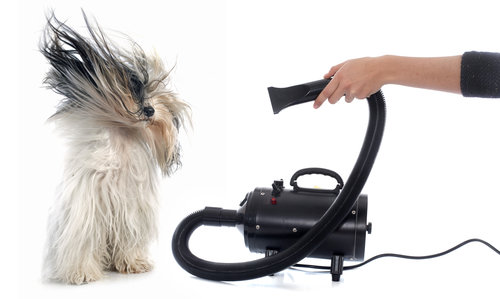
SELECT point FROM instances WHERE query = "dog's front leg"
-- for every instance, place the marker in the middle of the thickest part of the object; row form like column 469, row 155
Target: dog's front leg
column 76, row 250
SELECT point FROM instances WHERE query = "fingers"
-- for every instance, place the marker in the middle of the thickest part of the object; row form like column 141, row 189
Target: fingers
column 349, row 79
column 331, row 91
column 353, row 79
column 326, row 93
column 337, row 94
column 349, row 98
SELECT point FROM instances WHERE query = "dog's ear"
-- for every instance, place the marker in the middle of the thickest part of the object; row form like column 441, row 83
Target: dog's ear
column 93, row 74
column 73, row 61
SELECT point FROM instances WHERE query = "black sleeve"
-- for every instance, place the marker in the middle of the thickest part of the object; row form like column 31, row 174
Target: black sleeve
column 480, row 74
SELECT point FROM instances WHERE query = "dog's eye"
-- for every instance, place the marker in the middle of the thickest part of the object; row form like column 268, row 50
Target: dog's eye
column 149, row 111
column 137, row 87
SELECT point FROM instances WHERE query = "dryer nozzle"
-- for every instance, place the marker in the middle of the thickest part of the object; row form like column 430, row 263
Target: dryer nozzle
column 282, row 98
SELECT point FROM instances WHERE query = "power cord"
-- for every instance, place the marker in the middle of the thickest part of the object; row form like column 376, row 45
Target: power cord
column 411, row 257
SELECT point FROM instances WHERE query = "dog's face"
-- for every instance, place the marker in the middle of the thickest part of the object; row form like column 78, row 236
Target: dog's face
column 113, row 88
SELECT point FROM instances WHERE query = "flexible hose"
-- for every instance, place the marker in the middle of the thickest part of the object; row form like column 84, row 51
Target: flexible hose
column 329, row 222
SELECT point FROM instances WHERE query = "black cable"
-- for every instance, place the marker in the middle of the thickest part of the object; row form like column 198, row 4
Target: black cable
column 411, row 257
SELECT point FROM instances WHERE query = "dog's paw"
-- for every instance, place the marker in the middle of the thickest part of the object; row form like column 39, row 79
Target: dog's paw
column 137, row 266
column 82, row 277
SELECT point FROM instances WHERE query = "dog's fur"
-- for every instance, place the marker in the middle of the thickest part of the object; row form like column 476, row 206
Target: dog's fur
column 106, row 209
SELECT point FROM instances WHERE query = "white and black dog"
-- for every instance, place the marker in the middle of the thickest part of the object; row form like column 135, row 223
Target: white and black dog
column 121, row 124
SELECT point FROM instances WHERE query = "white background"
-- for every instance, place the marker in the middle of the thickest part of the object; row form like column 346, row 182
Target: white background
column 434, row 184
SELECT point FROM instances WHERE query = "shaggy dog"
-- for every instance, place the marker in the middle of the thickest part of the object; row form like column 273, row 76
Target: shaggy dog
column 121, row 124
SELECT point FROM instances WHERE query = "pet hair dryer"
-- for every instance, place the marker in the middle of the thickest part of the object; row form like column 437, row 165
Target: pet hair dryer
column 290, row 225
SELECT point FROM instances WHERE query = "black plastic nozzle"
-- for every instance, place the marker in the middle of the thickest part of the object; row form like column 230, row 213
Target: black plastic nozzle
column 293, row 95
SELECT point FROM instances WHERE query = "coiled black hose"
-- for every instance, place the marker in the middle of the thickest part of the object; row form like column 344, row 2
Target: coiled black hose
column 330, row 221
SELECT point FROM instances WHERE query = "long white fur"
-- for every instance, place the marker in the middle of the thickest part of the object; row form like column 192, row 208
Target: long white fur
column 105, row 213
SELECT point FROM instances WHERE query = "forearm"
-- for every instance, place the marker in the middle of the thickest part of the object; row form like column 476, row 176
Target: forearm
column 473, row 74
column 439, row 73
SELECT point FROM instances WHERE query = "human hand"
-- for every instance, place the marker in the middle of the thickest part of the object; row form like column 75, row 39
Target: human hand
column 354, row 79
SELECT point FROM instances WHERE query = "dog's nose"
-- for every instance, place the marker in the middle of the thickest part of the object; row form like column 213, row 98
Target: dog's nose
column 149, row 111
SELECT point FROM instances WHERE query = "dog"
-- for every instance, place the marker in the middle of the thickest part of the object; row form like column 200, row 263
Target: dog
column 121, row 123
